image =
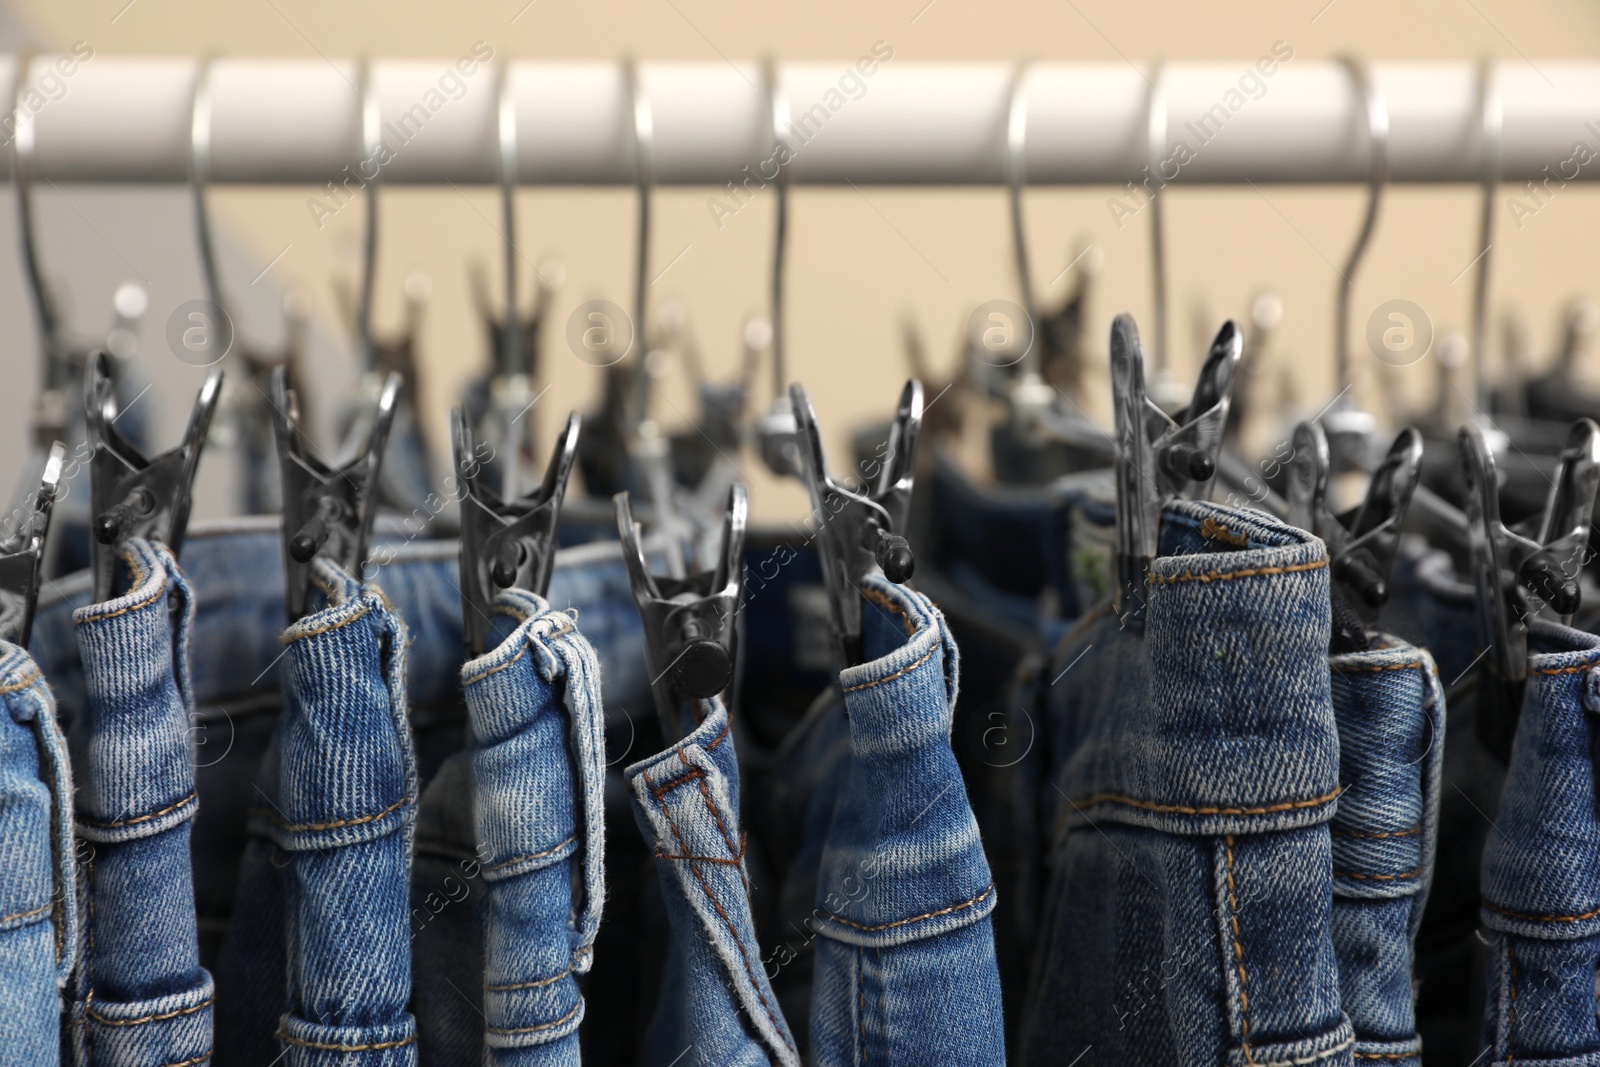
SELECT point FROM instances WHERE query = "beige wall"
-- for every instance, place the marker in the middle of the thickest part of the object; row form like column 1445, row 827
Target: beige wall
column 858, row 260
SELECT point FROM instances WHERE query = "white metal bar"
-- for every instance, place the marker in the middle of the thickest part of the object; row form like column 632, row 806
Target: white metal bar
column 115, row 119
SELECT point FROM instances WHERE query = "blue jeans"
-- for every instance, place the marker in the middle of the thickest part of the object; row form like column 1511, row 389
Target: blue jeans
column 1390, row 712
column 38, row 894
column 905, row 969
column 141, row 997
column 715, row 997
column 1197, row 768
column 1541, row 866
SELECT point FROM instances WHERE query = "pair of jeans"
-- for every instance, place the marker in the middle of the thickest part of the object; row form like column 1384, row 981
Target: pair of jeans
column 38, row 894
column 318, row 956
column 498, row 974
column 140, row 996
column 1190, row 908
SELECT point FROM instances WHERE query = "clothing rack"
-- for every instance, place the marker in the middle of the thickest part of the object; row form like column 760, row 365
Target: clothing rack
column 127, row 120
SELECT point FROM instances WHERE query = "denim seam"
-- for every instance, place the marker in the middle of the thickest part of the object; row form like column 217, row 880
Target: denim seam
column 1380, row 877
column 744, row 840
column 522, row 651
column 318, row 631
column 203, row 1057
column 1238, row 957
column 979, row 899
column 284, row 1035
column 168, row 810
column 537, row 983
column 1302, row 1061
column 1380, row 667
column 88, row 1009
column 1366, row 836
column 1211, row 529
column 531, row 855
column 1228, row 576
column 884, row 602
column 87, row 615
column 1385, row 1055
column 1180, row 809
column 727, row 838
column 535, row 1029
column 902, row 671
column 1585, row 917
column 26, row 682
column 1565, row 670
column 861, row 1010
column 337, row 824
column 14, row 916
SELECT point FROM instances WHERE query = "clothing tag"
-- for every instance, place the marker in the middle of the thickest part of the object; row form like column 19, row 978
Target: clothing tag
column 812, row 623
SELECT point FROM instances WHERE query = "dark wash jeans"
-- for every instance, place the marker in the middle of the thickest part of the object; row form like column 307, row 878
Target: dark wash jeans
column 1190, row 906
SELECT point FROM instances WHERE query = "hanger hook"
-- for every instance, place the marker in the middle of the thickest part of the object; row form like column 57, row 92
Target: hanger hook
column 506, row 173
column 1491, row 110
column 371, row 140
column 1016, row 169
column 22, row 153
column 1155, row 147
column 200, row 174
column 1377, row 110
column 778, row 113
column 644, row 174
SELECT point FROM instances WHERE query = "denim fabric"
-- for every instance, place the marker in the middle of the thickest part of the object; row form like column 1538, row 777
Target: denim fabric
column 38, row 893
column 1390, row 713
column 1541, row 866
column 905, row 961
column 716, row 1003
column 141, row 997
column 1197, row 771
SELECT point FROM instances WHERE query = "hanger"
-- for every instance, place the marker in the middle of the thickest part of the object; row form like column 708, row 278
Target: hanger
column 131, row 495
column 1160, row 457
column 1541, row 557
column 22, row 552
column 505, row 544
column 860, row 531
column 775, row 430
column 1363, row 541
column 690, row 620
column 328, row 509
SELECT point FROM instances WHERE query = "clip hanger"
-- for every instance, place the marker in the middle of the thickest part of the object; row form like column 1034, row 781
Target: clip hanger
column 22, row 552
column 690, row 635
column 859, row 529
column 327, row 509
column 1363, row 541
column 131, row 495
column 1160, row 457
column 505, row 543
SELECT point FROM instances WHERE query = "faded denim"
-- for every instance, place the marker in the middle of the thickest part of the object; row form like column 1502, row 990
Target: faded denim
column 38, row 892
column 1390, row 712
column 716, row 1005
column 1189, row 915
column 141, row 997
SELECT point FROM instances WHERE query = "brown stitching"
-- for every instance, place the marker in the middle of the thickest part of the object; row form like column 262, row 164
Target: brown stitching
column 1238, row 956
column 1211, row 529
column 375, row 1046
column 1370, row 670
column 28, row 681
column 497, row 668
column 1364, row 836
column 1511, row 1023
column 88, row 1009
column 727, row 838
column 712, row 747
column 1564, row 670
column 703, row 859
column 541, row 1026
column 1379, row 877
column 133, row 565
column 532, row 855
column 146, row 602
column 296, row 828
column 664, row 788
column 189, row 1063
column 1585, row 917
column 896, row 674
column 915, row 918
column 1165, row 809
column 889, row 605
column 190, row 799
column 537, row 983
column 14, row 916
column 1228, row 576
column 1385, row 1055
column 317, row 631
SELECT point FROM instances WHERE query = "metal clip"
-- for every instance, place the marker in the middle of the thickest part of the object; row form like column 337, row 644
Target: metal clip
column 505, row 543
column 859, row 530
column 690, row 636
column 1362, row 542
column 1160, row 457
column 129, row 495
column 22, row 552
column 327, row 509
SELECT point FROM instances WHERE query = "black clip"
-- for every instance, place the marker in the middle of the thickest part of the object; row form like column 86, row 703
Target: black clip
column 1362, row 542
column 129, row 495
column 22, row 552
column 505, row 543
column 1160, row 457
column 1542, row 556
column 859, row 529
column 690, row 634
column 327, row 510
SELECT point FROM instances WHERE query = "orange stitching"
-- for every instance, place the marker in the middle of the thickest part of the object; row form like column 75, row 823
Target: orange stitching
column 727, row 838
column 295, row 828
column 541, row 1026
column 1363, row 836
column 88, row 1009
column 532, row 855
column 1565, row 670
column 1212, row 529
column 190, row 799
column 712, row 747
column 26, row 914
column 537, row 983
column 1228, row 576
column 318, row 631
column 896, row 674
column 496, row 669
column 28, row 681
column 1238, row 955
column 101, row 617
column 703, row 859
column 1586, row 916
column 189, row 1063
column 303, row 1043
column 915, row 918
column 1369, row 670
column 664, row 788
column 1288, row 805
column 889, row 605
column 1385, row 1055
column 1378, row 877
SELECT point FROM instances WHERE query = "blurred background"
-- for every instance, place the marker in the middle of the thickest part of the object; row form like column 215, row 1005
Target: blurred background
column 861, row 261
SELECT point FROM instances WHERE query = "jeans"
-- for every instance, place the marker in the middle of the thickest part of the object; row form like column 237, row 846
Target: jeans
column 1541, row 866
column 1190, row 905
column 141, row 997
column 905, row 969
column 716, row 1004
column 38, row 894
column 1390, row 712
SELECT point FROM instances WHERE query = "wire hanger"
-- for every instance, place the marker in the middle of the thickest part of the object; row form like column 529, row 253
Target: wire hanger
column 860, row 531
column 775, row 430
column 22, row 551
